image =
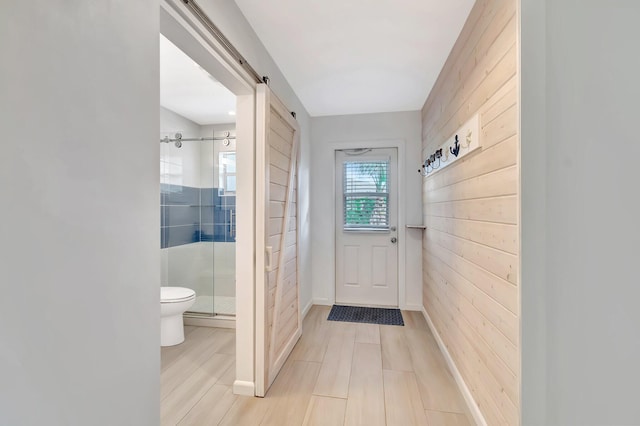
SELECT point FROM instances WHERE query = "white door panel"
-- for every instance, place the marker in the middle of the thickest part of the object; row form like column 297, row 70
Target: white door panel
column 352, row 261
column 380, row 274
column 366, row 227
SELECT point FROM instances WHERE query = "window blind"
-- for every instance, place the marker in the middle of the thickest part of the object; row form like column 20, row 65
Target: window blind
column 365, row 195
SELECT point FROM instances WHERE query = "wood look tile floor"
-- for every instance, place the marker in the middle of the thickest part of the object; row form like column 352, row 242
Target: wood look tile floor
column 338, row 374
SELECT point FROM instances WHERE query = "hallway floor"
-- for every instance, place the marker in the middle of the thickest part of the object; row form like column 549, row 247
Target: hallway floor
column 338, row 374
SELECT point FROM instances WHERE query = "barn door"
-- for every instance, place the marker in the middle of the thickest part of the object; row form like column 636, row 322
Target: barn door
column 278, row 320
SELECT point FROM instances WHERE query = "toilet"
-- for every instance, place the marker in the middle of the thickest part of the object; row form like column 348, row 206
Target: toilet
column 174, row 301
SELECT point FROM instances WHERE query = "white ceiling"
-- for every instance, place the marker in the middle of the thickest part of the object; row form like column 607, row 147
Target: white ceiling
column 358, row 56
column 188, row 90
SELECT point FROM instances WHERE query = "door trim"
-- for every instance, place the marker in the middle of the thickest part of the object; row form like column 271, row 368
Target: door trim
column 399, row 144
column 182, row 27
column 365, row 237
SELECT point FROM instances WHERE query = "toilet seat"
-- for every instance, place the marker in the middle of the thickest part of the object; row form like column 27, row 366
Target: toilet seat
column 176, row 294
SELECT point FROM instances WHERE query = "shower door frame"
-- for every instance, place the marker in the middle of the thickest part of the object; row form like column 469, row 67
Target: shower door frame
column 183, row 29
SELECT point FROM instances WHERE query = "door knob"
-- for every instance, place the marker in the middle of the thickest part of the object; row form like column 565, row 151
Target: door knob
column 394, row 240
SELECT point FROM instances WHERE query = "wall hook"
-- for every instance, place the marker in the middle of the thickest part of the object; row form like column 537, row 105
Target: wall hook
column 469, row 134
column 433, row 158
column 455, row 150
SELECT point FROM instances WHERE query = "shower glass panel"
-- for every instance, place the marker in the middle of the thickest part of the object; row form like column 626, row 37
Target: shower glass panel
column 224, row 239
column 198, row 209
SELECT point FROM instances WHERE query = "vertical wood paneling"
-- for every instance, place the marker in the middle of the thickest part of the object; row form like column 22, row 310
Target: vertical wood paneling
column 470, row 248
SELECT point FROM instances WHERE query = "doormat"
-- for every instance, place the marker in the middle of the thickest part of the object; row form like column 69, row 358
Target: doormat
column 380, row 316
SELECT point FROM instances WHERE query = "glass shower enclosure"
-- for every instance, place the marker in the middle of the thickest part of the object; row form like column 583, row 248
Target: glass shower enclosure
column 198, row 211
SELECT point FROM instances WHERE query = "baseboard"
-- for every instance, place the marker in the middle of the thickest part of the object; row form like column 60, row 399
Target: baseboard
column 228, row 322
column 410, row 307
column 244, row 388
column 464, row 389
column 306, row 309
column 326, row 302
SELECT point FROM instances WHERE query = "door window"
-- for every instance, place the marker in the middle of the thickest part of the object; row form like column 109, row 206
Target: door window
column 365, row 195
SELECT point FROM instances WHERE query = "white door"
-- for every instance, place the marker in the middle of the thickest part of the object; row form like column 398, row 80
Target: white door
column 278, row 318
column 366, row 227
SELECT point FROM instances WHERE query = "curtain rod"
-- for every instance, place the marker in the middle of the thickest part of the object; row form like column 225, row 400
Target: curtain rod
column 219, row 36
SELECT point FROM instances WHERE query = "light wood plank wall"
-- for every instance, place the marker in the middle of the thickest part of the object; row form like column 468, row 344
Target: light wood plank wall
column 470, row 247
column 281, row 140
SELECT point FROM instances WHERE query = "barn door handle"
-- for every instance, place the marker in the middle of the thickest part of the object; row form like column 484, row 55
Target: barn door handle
column 269, row 262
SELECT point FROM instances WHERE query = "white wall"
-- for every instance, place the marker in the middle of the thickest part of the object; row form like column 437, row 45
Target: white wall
column 326, row 131
column 227, row 16
column 582, row 302
column 179, row 166
column 533, row 184
column 79, row 311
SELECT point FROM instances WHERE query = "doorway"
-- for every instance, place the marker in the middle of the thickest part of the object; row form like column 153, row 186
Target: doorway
column 236, row 213
column 366, row 231
column 198, row 184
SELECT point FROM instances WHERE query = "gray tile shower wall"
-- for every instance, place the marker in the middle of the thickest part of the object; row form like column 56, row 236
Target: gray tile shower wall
column 189, row 215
